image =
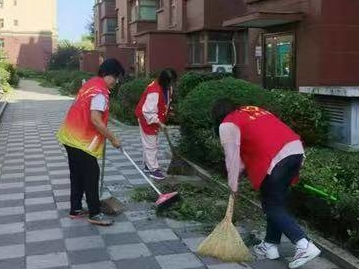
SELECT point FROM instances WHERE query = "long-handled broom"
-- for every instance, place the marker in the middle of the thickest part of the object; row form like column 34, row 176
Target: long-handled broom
column 225, row 243
column 178, row 165
column 164, row 199
column 111, row 205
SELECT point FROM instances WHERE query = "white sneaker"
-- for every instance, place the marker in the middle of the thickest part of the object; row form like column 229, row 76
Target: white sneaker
column 304, row 255
column 267, row 249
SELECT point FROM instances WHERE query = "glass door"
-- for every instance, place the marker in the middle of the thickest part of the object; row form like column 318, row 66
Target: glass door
column 279, row 61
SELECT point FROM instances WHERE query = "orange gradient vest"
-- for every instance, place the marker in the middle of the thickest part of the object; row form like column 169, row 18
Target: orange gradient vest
column 78, row 130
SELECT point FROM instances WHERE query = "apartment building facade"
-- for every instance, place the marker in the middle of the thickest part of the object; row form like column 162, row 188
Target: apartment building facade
column 28, row 31
column 275, row 43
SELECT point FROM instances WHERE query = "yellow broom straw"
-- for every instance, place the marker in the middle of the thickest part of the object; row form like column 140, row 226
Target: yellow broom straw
column 225, row 243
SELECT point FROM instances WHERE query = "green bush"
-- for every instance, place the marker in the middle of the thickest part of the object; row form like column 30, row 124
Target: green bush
column 123, row 106
column 190, row 80
column 198, row 139
column 29, row 73
column 12, row 77
column 68, row 81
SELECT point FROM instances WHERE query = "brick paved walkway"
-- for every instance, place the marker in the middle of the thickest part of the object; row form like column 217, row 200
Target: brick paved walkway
column 34, row 200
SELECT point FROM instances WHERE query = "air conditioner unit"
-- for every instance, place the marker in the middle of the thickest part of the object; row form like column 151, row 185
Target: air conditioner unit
column 222, row 68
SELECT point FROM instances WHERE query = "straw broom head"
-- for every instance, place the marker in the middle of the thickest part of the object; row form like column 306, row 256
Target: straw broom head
column 225, row 243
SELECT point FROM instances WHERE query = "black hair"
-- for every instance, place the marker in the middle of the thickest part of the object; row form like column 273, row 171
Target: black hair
column 166, row 77
column 221, row 108
column 111, row 67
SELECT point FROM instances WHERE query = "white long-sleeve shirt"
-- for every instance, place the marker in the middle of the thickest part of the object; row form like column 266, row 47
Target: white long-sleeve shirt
column 230, row 136
column 150, row 107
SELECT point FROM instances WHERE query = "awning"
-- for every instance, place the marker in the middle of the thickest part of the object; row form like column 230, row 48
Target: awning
column 261, row 19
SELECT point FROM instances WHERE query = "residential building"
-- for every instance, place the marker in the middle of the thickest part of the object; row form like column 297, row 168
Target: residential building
column 28, row 31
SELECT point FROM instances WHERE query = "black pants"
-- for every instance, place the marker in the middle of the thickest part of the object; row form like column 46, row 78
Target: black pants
column 84, row 177
column 274, row 192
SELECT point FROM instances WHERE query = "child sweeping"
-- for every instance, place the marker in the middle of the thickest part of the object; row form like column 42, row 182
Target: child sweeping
column 151, row 112
column 272, row 154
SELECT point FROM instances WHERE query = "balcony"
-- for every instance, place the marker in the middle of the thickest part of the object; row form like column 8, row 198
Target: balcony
column 108, row 9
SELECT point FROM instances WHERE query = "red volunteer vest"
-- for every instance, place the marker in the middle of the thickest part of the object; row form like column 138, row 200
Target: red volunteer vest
column 262, row 136
column 162, row 106
column 78, row 130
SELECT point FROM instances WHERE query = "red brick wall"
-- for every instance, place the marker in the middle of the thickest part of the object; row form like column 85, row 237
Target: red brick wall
column 29, row 51
column 90, row 61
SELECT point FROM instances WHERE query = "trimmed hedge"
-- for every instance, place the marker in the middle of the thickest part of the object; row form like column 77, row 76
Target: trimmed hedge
column 299, row 111
column 123, row 106
column 68, row 81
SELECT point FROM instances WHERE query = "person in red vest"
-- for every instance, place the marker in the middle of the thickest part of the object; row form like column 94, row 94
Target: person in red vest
column 151, row 112
column 256, row 141
column 83, row 134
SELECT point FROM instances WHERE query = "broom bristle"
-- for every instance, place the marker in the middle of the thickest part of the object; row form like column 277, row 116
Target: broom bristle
column 225, row 244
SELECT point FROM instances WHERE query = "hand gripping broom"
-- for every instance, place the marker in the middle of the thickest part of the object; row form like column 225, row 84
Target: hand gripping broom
column 225, row 243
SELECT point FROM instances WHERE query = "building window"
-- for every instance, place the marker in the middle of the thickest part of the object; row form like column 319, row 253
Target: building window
column 2, row 24
column 196, row 49
column 1, row 3
column 143, row 10
column 109, row 26
column 159, row 4
column 173, row 12
column 15, row 2
column 16, row 23
column 123, row 28
column 2, row 43
column 219, row 48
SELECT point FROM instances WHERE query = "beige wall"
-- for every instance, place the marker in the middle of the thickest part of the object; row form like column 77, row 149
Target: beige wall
column 33, row 16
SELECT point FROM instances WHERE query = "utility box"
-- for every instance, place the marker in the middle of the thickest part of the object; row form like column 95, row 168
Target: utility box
column 342, row 106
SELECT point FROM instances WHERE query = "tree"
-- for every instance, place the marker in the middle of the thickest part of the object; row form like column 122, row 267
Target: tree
column 67, row 56
column 91, row 28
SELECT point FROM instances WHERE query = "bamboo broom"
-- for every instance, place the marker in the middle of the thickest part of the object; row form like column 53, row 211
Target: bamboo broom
column 225, row 243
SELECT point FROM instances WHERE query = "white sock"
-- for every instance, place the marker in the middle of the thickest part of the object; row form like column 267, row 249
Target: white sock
column 302, row 243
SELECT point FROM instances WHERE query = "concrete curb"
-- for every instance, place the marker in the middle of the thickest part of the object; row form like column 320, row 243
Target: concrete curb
column 331, row 251
column 3, row 106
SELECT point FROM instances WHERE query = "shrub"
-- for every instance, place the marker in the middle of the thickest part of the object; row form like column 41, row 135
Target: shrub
column 190, row 80
column 123, row 106
column 29, row 73
column 12, row 77
column 198, row 138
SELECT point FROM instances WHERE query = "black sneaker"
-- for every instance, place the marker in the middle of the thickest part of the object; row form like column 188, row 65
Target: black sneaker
column 146, row 169
column 101, row 219
column 78, row 214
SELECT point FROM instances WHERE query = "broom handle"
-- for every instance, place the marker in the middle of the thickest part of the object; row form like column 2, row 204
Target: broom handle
column 141, row 172
column 230, row 207
column 103, row 164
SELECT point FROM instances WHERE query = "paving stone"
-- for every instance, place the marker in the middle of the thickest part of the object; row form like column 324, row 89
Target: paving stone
column 97, row 265
column 41, row 248
column 13, row 251
column 277, row 264
column 12, row 239
column 4, row 186
column 12, row 196
column 81, row 243
column 143, row 263
column 157, row 235
column 37, row 178
column 38, row 188
column 12, row 228
column 130, row 251
column 167, row 247
column 118, row 227
column 43, row 235
column 88, row 256
column 80, row 231
column 179, row 261
column 193, row 243
column 47, row 261
column 121, row 239
column 65, row 192
column 8, row 211
column 16, row 263
column 38, row 194
column 45, row 215
column 12, row 219
column 39, row 201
